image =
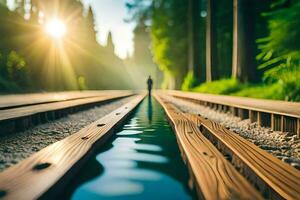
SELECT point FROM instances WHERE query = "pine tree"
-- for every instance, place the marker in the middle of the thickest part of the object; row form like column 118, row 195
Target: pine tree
column 142, row 55
column 91, row 32
column 110, row 44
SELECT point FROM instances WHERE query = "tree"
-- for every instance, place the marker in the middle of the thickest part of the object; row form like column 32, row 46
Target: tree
column 28, row 55
column 211, row 42
column 169, row 39
column 90, row 23
column 141, row 64
column 194, row 38
column 243, row 60
column 110, row 44
column 168, row 21
column 142, row 56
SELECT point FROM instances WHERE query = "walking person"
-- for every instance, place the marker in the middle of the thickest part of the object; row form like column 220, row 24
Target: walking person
column 149, row 83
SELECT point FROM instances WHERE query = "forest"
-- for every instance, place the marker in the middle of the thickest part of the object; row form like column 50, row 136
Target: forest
column 31, row 61
column 233, row 47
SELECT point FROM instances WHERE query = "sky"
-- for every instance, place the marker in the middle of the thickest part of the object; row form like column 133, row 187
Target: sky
column 109, row 16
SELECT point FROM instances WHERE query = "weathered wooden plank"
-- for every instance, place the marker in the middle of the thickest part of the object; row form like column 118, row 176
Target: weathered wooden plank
column 18, row 100
column 48, row 107
column 273, row 177
column 48, row 170
column 298, row 127
column 214, row 177
column 291, row 109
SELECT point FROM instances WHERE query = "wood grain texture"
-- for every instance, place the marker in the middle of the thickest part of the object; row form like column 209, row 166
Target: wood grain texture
column 25, row 111
column 18, row 100
column 291, row 109
column 214, row 177
column 49, row 169
column 280, row 177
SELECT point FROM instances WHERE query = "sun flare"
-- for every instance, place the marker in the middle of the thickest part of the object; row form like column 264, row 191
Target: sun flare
column 56, row 28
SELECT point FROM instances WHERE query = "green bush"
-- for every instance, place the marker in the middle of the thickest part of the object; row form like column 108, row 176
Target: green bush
column 189, row 82
column 288, row 89
column 13, row 73
column 223, row 86
column 272, row 91
column 280, row 52
column 82, row 83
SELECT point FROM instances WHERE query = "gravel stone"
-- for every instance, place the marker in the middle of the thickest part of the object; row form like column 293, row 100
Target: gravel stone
column 17, row 146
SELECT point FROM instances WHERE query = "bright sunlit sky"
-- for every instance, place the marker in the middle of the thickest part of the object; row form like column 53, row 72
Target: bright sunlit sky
column 110, row 15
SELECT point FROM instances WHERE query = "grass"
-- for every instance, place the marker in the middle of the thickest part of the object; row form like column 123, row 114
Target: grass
column 272, row 91
column 232, row 87
column 223, row 86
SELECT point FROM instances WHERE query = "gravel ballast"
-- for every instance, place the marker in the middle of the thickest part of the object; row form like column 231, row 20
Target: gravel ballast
column 285, row 146
column 17, row 146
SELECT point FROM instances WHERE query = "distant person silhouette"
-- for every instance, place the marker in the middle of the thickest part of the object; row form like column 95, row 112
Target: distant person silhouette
column 149, row 83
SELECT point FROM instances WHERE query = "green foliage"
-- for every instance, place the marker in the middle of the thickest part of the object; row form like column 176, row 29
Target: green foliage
column 14, row 73
column 282, row 45
column 223, row 86
column 140, row 65
column 189, row 82
column 280, row 52
column 279, row 58
column 82, row 83
column 168, row 25
column 17, row 69
column 279, row 90
column 169, row 38
column 270, row 91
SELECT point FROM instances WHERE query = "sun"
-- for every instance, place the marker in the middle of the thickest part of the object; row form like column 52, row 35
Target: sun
column 56, row 28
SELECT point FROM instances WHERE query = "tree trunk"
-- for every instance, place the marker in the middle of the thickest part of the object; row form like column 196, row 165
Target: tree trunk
column 243, row 64
column 211, row 42
column 194, row 38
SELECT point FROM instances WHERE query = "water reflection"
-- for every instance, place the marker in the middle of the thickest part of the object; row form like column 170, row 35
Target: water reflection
column 149, row 109
column 141, row 162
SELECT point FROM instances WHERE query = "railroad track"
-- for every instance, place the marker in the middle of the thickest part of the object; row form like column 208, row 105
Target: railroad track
column 278, row 115
column 20, row 100
column 202, row 141
column 222, row 165
column 45, row 173
column 19, row 112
